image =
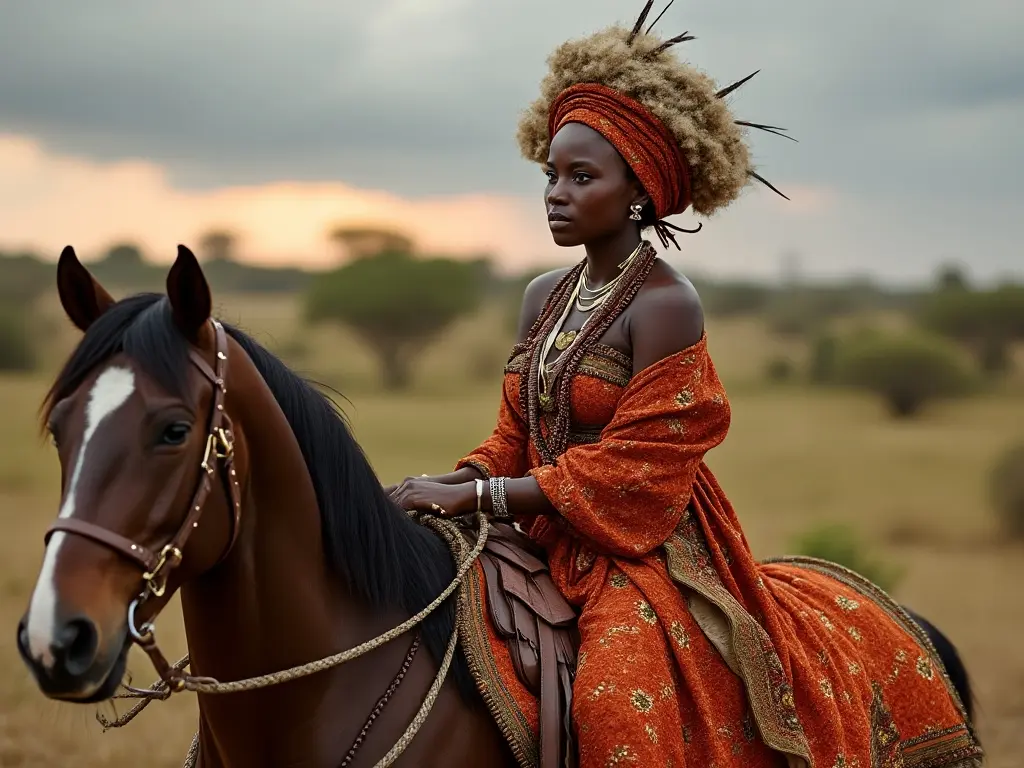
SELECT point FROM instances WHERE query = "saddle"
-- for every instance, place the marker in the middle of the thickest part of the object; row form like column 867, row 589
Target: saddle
column 539, row 629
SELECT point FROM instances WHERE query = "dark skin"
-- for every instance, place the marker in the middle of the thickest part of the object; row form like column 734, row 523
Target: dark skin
column 589, row 193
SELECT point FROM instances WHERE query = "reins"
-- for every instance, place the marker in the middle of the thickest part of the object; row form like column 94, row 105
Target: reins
column 156, row 566
column 449, row 530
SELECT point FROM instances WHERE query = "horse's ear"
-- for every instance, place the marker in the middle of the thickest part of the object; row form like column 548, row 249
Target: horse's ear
column 82, row 297
column 189, row 294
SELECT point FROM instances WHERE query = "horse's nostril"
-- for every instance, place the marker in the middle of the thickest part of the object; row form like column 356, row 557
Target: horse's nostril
column 23, row 638
column 78, row 643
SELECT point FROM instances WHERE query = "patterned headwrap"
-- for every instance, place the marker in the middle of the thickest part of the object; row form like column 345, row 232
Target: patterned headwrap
column 644, row 142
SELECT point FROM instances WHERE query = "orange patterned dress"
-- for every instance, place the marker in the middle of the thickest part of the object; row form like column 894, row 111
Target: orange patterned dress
column 694, row 654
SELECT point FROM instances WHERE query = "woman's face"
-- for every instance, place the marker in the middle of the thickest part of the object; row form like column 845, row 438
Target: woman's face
column 590, row 189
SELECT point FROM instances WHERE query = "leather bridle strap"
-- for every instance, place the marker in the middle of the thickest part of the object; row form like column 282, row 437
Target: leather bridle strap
column 219, row 447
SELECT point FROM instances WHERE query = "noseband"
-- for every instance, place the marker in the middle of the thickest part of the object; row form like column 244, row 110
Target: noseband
column 157, row 566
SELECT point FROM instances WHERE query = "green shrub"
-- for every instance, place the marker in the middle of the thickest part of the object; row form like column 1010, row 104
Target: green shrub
column 17, row 352
column 822, row 363
column 840, row 544
column 906, row 370
column 1006, row 488
column 779, row 369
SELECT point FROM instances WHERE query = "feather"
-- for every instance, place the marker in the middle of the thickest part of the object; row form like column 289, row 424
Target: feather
column 730, row 88
column 764, row 181
column 659, row 16
column 769, row 128
column 640, row 22
column 686, row 36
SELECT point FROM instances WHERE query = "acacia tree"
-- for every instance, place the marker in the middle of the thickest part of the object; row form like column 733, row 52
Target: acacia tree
column 396, row 303
column 360, row 242
column 217, row 245
column 906, row 370
column 985, row 321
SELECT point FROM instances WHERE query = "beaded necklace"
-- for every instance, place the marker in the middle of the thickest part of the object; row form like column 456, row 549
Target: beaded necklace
column 547, row 396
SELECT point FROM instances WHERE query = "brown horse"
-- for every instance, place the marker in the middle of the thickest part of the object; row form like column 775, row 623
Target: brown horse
column 296, row 556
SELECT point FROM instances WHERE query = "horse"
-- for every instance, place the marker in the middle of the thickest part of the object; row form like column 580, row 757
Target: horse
column 295, row 554
column 298, row 555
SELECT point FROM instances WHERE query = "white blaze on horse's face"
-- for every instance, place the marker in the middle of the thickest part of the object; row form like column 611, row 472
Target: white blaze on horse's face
column 109, row 392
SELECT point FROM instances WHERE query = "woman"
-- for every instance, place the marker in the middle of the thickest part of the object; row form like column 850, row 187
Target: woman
column 693, row 653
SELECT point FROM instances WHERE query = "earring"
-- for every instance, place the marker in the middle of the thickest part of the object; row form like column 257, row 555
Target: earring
column 636, row 208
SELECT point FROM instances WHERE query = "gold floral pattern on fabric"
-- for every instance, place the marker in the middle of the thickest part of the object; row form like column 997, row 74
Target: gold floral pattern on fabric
column 846, row 603
column 618, row 580
column 620, row 755
column 645, row 612
column 924, row 667
column 642, row 701
column 612, row 632
column 679, row 635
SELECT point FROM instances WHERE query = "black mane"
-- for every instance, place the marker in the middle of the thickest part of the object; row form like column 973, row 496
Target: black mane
column 386, row 559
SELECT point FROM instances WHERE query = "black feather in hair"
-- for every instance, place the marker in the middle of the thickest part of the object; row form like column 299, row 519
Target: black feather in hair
column 730, row 88
column 640, row 22
column 685, row 37
column 763, row 180
column 769, row 128
column 659, row 17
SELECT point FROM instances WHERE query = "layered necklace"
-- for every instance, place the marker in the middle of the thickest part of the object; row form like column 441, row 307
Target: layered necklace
column 586, row 300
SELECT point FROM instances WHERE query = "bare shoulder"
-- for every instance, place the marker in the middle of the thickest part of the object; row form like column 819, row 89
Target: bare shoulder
column 535, row 296
column 666, row 316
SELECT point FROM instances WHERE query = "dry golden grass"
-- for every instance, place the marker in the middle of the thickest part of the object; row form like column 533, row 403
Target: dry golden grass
column 794, row 458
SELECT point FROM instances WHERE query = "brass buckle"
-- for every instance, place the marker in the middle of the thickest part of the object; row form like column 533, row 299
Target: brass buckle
column 218, row 445
column 169, row 554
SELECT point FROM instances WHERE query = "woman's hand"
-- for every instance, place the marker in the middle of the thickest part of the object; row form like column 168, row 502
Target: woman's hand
column 464, row 475
column 422, row 493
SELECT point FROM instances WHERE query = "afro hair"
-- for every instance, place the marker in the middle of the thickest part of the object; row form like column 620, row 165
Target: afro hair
column 642, row 66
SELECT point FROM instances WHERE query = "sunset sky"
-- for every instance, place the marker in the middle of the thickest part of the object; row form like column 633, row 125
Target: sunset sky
column 154, row 122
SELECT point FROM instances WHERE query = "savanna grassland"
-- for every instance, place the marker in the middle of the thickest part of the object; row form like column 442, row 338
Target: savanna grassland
column 915, row 490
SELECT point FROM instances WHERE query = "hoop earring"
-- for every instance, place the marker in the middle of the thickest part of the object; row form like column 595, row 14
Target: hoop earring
column 636, row 208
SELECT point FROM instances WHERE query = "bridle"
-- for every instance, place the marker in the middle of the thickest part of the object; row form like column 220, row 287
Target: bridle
column 157, row 566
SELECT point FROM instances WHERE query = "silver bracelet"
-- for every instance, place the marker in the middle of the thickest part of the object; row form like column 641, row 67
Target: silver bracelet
column 499, row 501
column 479, row 495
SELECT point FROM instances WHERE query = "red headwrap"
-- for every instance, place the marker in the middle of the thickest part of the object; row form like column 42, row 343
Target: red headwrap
column 641, row 138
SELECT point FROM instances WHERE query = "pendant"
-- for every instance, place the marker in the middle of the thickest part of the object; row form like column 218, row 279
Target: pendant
column 547, row 403
column 563, row 340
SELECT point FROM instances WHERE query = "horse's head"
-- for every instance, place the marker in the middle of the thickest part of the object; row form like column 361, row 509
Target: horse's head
column 150, row 497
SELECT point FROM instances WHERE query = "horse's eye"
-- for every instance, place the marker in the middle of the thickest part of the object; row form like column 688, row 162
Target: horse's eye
column 176, row 433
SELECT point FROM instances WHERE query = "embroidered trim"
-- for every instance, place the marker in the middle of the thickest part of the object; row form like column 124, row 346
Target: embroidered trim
column 769, row 691
column 579, row 435
column 472, row 621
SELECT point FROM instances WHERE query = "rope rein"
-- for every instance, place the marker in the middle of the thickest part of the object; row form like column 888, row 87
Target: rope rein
column 449, row 531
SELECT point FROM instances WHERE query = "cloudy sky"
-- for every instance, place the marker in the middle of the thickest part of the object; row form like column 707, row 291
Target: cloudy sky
column 156, row 121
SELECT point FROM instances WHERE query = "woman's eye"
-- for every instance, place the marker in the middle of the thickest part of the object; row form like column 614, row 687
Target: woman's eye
column 582, row 178
column 551, row 176
column 175, row 434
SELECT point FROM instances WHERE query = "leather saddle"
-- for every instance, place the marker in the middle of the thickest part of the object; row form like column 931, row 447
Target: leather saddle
column 539, row 628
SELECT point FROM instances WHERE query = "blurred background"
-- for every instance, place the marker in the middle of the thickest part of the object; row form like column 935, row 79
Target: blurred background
column 349, row 175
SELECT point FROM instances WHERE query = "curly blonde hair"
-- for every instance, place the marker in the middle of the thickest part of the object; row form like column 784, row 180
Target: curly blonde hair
column 687, row 101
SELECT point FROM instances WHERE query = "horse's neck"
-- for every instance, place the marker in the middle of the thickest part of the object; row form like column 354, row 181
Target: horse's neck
column 273, row 604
